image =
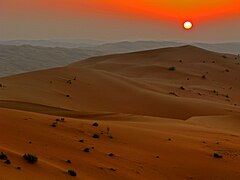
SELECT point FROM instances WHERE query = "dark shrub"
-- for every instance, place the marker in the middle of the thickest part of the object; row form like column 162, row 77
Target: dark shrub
column 81, row 140
column 72, row 173
column 3, row 156
column 68, row 161
column 30, row 158
column 7, row 161
column 95, row 136
column 171, row 68
column 182, row 88
column 216, row 155
column 54, row 124
column 110, row 154
column 95, row 124
column 86, row 150
column 203, row 76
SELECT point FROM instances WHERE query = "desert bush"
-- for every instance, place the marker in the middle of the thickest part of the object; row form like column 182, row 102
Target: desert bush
column 95, row 124
column 72, row 173
column 86, row 150
column 216, row 155
column 171, row 68
column 68, row 161
column 95, row 136
column 3, row 156
column 30, row 158
column 7, row 161
column 203, row 76
column 182, row 88
column 110, row 154
column 54, row 124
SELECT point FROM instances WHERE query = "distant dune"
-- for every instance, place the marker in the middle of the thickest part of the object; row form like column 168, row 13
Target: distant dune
column 25, row 58
column 25, row 55
column 170, row 113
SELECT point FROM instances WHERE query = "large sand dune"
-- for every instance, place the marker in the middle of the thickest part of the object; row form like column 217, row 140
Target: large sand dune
column 168, row 111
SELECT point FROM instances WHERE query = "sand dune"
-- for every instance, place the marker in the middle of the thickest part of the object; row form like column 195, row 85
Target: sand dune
column 113, row 84
column 144, row 146
column 162, row 113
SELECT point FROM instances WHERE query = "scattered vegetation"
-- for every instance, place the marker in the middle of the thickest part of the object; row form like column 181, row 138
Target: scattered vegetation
column 19, row 168
column 3, row 156
column 216, row 155
column 86, row 150
column 111, row 154
column 204, row 77
column 95, row 124
column 81, row 140
column 172, row 68
column 54, row 124
column 182, row 88
column 112, row 169
column 30, row 158
column 69, row 82
column 68, row 161
column 95, row 136
column 7, row 161
column 72, row 172
column 108, row 130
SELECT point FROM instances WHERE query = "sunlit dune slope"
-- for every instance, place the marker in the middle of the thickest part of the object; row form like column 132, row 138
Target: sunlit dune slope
column 173, row 82
column 142, row 147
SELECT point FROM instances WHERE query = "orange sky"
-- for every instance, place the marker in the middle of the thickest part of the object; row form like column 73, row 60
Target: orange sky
column 112, row 11
column 158, row 9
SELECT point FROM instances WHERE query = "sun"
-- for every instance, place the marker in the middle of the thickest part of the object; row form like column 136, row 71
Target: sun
column 187, row 25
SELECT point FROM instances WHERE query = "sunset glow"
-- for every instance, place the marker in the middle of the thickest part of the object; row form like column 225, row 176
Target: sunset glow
column 95, row 16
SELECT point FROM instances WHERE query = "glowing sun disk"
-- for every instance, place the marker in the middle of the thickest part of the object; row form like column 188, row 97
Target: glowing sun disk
column 187, row 25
